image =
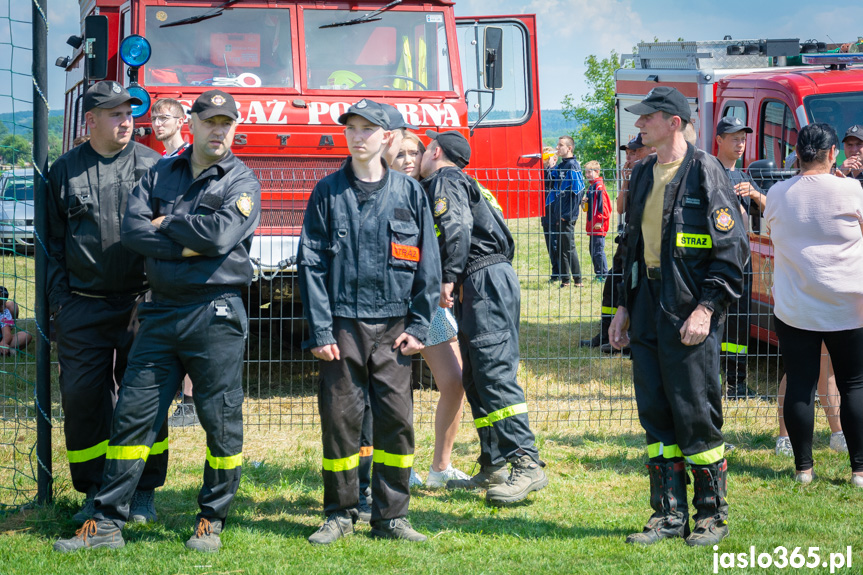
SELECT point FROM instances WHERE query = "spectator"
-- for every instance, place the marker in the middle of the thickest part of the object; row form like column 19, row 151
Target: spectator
column 549, row 160
column 598, row 207
column 852, row 167
column 816, row 225
column 12, row 339
column 168, row 117
column 562, row 205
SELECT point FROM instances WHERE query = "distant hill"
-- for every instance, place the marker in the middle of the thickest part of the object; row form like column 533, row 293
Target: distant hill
column 555, row 125
column 21, row 122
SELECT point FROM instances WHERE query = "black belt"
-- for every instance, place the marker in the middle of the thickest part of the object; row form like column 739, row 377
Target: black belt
column 653, row 273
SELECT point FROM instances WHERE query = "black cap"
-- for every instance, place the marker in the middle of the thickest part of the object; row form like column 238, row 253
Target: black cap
column 215, row 103
column 108, row 94
column 855, row 131
column 396, row 119
column 730, row 125
column 663, row 99
column 454, row 145
column 633, row 144
column 374, row 112
column 4, row 293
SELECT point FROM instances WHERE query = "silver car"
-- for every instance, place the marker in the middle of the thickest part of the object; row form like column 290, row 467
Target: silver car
column 16, row 210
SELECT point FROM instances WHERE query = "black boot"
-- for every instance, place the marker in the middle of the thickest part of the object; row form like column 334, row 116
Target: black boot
column 711, row 517
column 668, row 499
column 602, row 336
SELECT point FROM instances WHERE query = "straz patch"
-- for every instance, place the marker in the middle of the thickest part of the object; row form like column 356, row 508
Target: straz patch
column 440, row 207
column 723, row 220
column 245, row 204
column 407, row 253
column 703, row 241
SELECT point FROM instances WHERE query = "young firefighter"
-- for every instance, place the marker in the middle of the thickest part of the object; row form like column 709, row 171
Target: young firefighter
column 598, row 217
column 369, row 275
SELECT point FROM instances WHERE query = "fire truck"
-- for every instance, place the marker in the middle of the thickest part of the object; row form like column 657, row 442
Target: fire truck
column 775, row 86
column 294, row 67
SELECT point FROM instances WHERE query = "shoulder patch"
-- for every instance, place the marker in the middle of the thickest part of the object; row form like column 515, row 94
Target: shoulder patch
column 723, row 220
column 245, row 204
column 440, row 207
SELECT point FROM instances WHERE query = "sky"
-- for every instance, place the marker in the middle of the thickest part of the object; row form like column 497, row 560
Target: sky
column 568, row 32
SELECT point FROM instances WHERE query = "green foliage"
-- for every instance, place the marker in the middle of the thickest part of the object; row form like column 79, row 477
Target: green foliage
column 14, row 149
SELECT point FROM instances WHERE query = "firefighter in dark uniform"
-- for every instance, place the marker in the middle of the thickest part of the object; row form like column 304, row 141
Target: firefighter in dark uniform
column 479, row 281
column 192, row 217
column 98, row 284
column 369, row 274
column 686, row 250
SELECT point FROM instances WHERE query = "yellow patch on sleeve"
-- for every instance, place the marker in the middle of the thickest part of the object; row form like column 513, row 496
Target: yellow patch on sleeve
column 440, row 207
column 245, row 204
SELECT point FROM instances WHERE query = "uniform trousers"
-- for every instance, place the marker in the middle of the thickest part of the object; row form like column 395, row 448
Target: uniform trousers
column 735, row 344
column 566, row 254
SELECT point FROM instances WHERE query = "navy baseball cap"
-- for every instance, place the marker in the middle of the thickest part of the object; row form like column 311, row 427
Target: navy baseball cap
column 374, row 112
column 396, row 119
column 108, row 94
column 454, row 145
column 215, row 103
column 855, row 131
column 730, row 125
column 663, row 99
column 633, row 144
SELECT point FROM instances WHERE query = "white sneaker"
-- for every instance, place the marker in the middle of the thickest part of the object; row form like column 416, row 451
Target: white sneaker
column 416, row 480
column 837, row 442
column 783, row 446
column 438, row 479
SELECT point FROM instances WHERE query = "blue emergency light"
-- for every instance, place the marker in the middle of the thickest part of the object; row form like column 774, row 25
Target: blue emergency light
column 135, row 50
column 142, row 94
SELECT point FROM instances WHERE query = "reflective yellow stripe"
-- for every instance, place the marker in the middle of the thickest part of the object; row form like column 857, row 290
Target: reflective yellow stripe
column 159, row 447
column 230, row 462
column 495, row 416
column 735, row 348
column 707, row 457
column 436, row 230
column 82, row 455
column 694, row 241
column 666, row 451
column 609, row 310
column 343, row 464
column 393, row 459
column 128, row 452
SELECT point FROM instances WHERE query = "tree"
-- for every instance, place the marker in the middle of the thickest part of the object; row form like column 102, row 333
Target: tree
column 14, row 149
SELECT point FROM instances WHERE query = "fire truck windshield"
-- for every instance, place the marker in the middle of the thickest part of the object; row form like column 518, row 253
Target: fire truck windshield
column 403, row 50
column 249, row 47
column 839, row 110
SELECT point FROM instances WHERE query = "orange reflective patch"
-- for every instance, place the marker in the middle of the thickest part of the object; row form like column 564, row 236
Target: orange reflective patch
column 409, row 253
column 366, row 451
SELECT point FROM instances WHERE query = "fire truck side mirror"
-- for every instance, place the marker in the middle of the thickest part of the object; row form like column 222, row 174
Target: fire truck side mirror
column 96, row 46
column 493, row 50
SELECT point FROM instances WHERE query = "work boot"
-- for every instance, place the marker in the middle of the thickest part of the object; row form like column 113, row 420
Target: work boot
column 595, row 341
column 206, row 536
column 364, row 511
column 337, row 525
column 668, row 500
column 711, row 517
column 488, row 476
column 142, row 509
column 608, row 348
column 739, row 390
column 88, row 508
column 398, row 528
column 92, row 536
column 184, row 416
column 526, row 476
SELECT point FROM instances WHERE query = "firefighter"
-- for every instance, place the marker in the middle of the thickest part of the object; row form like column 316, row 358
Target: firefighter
column 685, row 255
column 479, row 281
column 94, row 286
column 193, row 218
column 369, row 274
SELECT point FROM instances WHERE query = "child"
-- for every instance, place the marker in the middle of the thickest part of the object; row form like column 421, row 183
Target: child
column 11, row 338
column 370, row 274
column 598, row 217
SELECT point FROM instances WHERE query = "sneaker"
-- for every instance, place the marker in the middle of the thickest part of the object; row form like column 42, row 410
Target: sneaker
column 88, row 508
column 415, row 480
column 438, row 479
column 783, row 446
column 398, row 528
column 857, row 480
column 526, row 476
column 837, row 442
column 206, row 536
column 142, row 509
column 92, row 536
column 488, row 476
column 364, row 511
column 184, row 416
column 337, row 525
column 805, row 477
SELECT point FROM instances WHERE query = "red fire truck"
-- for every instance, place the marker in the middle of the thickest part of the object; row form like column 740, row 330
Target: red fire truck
column 295, row 66
column 752, row 80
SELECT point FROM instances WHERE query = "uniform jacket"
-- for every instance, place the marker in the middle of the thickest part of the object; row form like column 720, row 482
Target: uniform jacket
column 85, row 209
column 215, row 214
column 471, row 233
column 567, row 189
column 368, row 260
column 704, row 245
column 598, row 209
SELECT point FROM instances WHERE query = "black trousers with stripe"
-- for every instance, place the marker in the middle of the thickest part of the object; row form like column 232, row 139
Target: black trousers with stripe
column 94, row 336
column 207, row 341
column 368, row 365
column 610, row 291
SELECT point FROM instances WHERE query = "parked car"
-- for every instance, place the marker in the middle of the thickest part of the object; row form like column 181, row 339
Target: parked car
column 16, row 210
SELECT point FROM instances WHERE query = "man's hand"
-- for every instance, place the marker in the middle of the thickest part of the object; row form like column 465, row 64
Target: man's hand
column 747, row 190
column 853, row 164
column 408, row 344
column 189, row 253
column 158, row 221
column 327, row 352
column 446, row 297
column 617, row 335
column 696, row 327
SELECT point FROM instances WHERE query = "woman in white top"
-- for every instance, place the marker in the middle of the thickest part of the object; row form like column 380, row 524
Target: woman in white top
column 816, row 225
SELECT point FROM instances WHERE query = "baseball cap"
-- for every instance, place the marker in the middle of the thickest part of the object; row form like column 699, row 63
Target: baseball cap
column 633, row 144
column 730, row 125
column 855, row 131
column 374, row 112
column 453, row 144
column 663, row 99
column 215, row 103
column 108, row 94
column 396, row 119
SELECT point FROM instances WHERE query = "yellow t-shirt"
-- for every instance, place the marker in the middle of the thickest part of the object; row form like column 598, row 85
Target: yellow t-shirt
column 651, row 220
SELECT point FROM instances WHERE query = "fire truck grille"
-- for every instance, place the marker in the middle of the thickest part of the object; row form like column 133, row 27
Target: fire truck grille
column 285, row 174
column 273, row 215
